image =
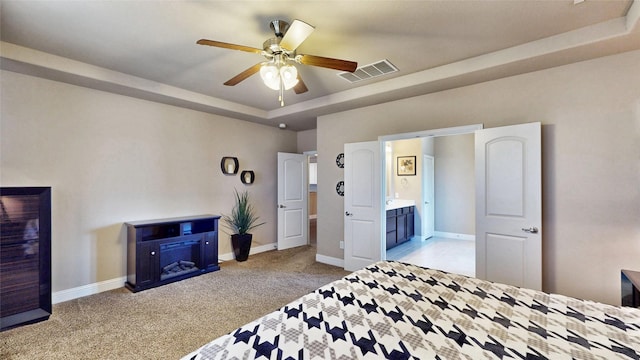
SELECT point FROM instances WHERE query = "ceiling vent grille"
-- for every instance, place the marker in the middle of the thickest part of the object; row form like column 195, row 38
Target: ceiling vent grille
column 365, row 72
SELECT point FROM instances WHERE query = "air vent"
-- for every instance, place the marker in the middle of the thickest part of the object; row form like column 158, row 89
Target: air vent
column 379, row 68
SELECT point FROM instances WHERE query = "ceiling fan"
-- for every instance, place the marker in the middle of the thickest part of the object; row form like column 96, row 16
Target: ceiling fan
column 280, row 51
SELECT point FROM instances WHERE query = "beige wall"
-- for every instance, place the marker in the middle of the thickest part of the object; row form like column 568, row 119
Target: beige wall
column 409, row 187
column 111, row 159
column 590, row 113
column 455, row 184
column 306, row 140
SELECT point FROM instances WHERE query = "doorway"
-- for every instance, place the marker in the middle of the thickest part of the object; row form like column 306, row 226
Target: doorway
column 312, row 160
column 508, row 194
column 444, row 204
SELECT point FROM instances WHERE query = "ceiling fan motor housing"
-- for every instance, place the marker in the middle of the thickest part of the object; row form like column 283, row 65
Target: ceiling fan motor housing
column 279, row 27
column 272, row 46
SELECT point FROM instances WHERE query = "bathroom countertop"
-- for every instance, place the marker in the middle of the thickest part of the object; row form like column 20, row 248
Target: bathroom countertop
column 398, row 203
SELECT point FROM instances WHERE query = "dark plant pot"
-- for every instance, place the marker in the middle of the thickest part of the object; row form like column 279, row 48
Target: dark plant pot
column 241, row 244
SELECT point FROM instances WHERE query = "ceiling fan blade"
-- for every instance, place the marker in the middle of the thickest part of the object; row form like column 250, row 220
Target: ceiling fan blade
column 337, row 64
column 228, row 46
column 243, row 75
column 298, row 31
column 300, row 87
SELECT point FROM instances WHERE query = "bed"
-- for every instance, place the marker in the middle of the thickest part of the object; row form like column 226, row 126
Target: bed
column 395, row 310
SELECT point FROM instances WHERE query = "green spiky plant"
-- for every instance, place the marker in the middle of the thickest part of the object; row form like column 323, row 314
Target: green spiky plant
column 243, row 216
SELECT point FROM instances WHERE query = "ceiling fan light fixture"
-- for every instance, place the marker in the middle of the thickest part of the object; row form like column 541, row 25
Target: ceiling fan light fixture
column 289, row 76
column 277, row 73
column 270, row 75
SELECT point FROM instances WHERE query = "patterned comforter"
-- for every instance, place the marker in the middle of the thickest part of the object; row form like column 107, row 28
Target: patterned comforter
column 398, row 311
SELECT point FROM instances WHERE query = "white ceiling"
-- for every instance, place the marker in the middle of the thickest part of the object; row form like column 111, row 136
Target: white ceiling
column 147, row 49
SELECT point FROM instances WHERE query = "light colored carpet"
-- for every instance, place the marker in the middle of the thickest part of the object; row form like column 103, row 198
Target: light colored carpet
column 170, row 321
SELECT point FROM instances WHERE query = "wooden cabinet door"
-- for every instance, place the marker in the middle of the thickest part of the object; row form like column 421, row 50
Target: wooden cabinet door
column 391, row 229
column 148, row 263
column 410, row 224
column 401, row 228
column 210, row 250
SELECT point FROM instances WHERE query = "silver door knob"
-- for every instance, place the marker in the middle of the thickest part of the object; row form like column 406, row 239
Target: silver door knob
column 281, row 206
column 532, row 230
column 348, row 213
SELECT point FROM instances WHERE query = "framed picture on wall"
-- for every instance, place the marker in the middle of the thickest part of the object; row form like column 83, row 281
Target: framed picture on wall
column 406, row 165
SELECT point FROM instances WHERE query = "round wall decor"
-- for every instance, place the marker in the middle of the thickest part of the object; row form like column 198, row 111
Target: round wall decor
column 340, row 160
column 247, row 177
column 340, row 188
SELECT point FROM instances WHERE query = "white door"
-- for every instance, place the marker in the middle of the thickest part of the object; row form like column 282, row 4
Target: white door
column 428, row 205
column 508, row 205
column 362, row 205
column 292, row 200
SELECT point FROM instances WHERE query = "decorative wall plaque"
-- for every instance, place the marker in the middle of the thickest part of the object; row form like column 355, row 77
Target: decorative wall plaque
column 340, row 188
column 340, row 160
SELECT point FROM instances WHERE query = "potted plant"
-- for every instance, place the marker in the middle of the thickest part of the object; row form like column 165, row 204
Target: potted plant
column 242, row 219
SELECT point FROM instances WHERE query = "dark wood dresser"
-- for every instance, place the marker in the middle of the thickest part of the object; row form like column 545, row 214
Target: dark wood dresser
column 25, row 255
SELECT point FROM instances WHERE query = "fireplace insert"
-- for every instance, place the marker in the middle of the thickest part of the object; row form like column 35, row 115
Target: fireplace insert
column 179, row 258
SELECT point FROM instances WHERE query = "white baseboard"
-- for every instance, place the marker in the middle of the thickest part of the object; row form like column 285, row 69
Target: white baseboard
column 90, row 289
column 330, row 260
column 449, row 235
column 86, row 290
column 254, row 250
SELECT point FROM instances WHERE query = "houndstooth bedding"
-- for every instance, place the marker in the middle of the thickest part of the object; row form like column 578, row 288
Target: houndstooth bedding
column 398, row 311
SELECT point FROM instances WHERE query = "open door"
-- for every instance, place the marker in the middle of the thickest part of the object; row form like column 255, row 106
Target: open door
column 292, row 200
column 428, row 204
column 509, row 205
column 362, row 205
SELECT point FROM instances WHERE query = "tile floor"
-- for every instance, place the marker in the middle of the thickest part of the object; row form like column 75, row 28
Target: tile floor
column 451, row 255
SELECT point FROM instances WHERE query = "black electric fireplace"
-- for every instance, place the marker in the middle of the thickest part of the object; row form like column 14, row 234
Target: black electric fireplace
column 167, row 250
column 25, row 255
column 179, row 258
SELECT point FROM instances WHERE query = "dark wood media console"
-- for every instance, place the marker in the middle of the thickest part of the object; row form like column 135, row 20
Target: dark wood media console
column 167, row 250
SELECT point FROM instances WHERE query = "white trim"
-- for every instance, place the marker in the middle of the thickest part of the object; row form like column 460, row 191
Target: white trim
column 448, row 235
column 633, row 16
column 254, row 250
column 456, row 130
column 91, row 289
column 100, row 78
column 330, row 260
column 86, row 290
